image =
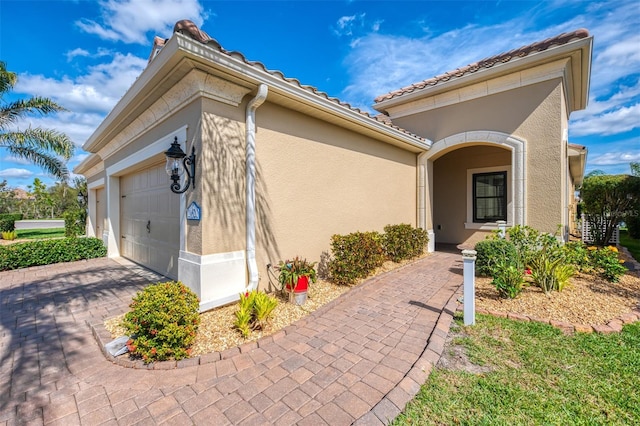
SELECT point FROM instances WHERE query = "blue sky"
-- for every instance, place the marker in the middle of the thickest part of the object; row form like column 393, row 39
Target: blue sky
column 86, row 54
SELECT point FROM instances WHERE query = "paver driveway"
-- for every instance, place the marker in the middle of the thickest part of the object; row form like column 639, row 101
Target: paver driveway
column 357, row 360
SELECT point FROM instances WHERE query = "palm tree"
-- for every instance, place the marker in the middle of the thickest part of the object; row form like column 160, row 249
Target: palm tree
column 48, row 149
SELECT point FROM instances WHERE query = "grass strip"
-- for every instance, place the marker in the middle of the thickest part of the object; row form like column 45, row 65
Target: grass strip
column 40, row 233
column 538, row 376
column 631, row 244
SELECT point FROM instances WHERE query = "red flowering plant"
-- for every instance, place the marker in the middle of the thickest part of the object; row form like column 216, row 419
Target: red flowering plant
column 163, row 322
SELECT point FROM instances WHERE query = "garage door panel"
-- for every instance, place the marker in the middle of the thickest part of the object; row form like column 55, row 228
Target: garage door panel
column 149, row 201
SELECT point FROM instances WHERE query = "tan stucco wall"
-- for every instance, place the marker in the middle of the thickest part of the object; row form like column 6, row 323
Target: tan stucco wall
column 316, row 180
column 450, row 197
column 533, row 113
column 221, row 184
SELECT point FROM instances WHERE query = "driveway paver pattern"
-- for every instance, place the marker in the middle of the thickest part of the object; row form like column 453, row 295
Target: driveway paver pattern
column 358, row 359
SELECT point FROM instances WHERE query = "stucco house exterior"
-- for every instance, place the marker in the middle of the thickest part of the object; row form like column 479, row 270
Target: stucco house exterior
column 280, row 166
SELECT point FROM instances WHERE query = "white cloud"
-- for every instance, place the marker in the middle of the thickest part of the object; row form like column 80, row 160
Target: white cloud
column 17, row 160
column 620, row 120
column 76, row 52
column 346, row 25
column 15, row 173
column 379, row 63
column 130, row 20
column 614, row 158
column 96, row 91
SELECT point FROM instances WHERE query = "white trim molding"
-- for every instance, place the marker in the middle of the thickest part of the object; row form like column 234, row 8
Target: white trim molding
column 488, row 226
column 517, row 178
column 218, row 279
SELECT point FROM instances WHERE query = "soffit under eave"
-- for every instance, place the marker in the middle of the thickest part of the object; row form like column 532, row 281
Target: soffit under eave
column 577, row 164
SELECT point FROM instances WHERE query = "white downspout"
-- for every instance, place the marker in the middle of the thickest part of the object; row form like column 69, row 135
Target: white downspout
column 250, row 134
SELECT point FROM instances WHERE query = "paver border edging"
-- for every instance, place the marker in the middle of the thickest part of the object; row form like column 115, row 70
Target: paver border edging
column 394, row 402
column 613, row 326
column 103, row 336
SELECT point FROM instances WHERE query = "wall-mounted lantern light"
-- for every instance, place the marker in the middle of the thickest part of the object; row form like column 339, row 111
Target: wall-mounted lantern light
column 178, row 163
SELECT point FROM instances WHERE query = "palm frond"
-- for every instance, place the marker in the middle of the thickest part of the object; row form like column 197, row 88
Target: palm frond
column 52, row 165
column 13, row 111
column 40, row 139
column 7, row 79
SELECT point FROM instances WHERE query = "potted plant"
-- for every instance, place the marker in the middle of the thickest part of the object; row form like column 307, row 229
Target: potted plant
column 295, row 276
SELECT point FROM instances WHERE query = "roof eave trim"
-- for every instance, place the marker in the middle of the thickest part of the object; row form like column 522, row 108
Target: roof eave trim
column 503, row 68
column 255, row 76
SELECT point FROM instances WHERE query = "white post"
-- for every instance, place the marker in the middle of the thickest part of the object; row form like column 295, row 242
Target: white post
column 469, row 296
column 502, row 228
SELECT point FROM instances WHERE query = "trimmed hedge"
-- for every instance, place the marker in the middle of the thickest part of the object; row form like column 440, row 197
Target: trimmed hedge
column 403, row 241
column 8, row 221
column 47, row 252
column 355, row 256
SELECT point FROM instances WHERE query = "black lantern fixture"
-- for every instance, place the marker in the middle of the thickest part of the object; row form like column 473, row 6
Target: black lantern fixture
column 177, row 163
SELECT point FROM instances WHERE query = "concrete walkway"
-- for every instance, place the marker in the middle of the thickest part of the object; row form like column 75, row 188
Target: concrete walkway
column 357, row 360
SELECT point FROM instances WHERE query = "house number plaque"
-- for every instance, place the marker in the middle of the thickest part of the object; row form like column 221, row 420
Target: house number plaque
column 193, row 211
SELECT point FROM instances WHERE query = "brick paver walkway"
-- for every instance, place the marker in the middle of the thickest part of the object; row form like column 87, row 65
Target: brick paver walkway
column 357, row 360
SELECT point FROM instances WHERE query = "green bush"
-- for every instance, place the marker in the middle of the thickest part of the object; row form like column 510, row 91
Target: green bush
column 605, row 261
column 403, row 241
column 491, row 252
column 163, row 322
column 508, row 279
column 14, row 216
column 46, row 252
column 8, row 221
column 576, row 254
column 549, row 268
column 528, row 241
column 355, row 256
column 74, row 222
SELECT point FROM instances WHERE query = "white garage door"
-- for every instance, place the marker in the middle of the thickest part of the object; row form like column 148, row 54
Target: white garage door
column 149, row 220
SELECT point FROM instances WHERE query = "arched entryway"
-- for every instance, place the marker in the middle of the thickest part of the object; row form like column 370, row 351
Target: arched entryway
column 468, row 182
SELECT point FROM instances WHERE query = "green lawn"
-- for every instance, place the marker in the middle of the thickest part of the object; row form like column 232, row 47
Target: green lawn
column 631, row 244
column 539, row 376
column 40, row 233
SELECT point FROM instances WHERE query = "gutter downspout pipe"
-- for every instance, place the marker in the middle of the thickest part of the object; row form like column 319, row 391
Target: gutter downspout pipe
column 250, row 135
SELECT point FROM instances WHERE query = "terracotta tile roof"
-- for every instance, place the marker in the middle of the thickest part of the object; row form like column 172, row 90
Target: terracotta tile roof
column 489, row 62
column 190, row 29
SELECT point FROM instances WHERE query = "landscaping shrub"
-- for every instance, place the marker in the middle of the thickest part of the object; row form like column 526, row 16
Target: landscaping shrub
column 508, row 279
column 254, row 311
column 74, row 222
column 355, row 256
column 9, row 235
column 549, row 268
column 8, row 221
column 491, row 252
column 46, row 252
column 163, row 322
column 606, row 263
column 576, row 254
column 403, row 241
